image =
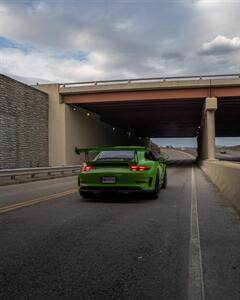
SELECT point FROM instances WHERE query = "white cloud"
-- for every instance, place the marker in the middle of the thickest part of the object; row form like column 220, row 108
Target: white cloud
column 124, row 25
column 116, row 39
column 46, row 65
column 3, row 9
column 220, row 45
column 207, row 3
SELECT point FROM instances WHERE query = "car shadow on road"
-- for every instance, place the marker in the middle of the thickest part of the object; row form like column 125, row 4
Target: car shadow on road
column 116, row 198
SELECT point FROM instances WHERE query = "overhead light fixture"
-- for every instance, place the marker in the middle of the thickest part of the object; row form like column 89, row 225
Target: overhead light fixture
column 74, row 109
column 88, row 114
column 113, row 128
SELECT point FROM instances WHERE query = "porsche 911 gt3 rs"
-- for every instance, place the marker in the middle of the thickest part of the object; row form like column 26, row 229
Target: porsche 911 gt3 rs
column 125, row 169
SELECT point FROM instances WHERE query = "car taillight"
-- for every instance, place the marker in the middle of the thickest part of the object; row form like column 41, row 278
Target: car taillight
column 86, row 169
column 139, row 168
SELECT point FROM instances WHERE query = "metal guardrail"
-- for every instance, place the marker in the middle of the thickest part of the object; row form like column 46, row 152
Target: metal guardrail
column 152, row 79
column 12, row 173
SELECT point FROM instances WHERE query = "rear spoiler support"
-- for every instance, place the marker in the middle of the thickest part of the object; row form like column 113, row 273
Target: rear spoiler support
column 135, row 156
column 86, row 156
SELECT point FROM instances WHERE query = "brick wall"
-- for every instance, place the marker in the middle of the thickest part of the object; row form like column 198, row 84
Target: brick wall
column 23, row 125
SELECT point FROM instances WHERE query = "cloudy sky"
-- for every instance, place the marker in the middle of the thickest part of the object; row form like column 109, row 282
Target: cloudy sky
column 81, row 40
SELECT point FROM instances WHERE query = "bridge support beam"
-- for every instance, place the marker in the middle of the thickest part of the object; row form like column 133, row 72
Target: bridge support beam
column 206, row 138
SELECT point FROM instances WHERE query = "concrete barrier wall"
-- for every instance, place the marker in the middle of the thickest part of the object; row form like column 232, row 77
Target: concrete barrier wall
column 226, row 176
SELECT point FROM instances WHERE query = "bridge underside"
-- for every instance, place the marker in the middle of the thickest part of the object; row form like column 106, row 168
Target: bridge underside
column 168, row 118
column 227, row 117
column 152, row 119
column 182, row 108
column 170, row 109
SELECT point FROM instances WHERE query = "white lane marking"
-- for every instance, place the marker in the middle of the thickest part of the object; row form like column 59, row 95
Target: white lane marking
column 195, row 275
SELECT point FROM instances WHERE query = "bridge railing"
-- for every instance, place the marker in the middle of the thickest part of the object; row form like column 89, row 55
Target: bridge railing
column 146, row 80
column 48, row 171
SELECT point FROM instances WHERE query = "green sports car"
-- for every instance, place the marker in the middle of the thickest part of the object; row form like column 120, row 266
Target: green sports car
column 123, row 169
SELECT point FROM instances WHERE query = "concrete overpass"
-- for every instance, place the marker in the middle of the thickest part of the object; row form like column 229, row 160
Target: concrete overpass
column 202, row 107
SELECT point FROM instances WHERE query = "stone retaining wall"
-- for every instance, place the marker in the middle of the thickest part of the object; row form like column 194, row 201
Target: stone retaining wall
column 23, row 125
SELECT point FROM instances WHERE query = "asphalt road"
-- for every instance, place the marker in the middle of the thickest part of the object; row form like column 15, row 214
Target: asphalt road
column 64, row 247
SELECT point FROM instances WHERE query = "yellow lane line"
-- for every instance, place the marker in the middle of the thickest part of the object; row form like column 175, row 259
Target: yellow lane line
column 36, row 201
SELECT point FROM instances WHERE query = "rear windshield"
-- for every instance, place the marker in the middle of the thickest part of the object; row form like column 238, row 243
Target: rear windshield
column 118, row 155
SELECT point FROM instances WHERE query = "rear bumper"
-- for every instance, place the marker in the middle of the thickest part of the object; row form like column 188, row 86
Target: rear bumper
column 113, row 189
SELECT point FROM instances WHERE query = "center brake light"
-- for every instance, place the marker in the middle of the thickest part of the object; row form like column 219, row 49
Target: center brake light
column 139, row 168
column 86, row 169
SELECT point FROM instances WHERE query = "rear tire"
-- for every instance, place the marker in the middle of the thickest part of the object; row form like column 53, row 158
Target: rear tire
column 164, row 185
column 155, row 193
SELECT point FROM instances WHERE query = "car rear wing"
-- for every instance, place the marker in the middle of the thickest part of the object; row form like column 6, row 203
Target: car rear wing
column 116, row 148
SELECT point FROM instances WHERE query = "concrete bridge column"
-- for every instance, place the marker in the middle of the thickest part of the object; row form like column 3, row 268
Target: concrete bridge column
column 56, row 125
column 206, row 140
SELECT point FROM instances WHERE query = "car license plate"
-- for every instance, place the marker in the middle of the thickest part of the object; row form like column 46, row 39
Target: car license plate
column 108, row 179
